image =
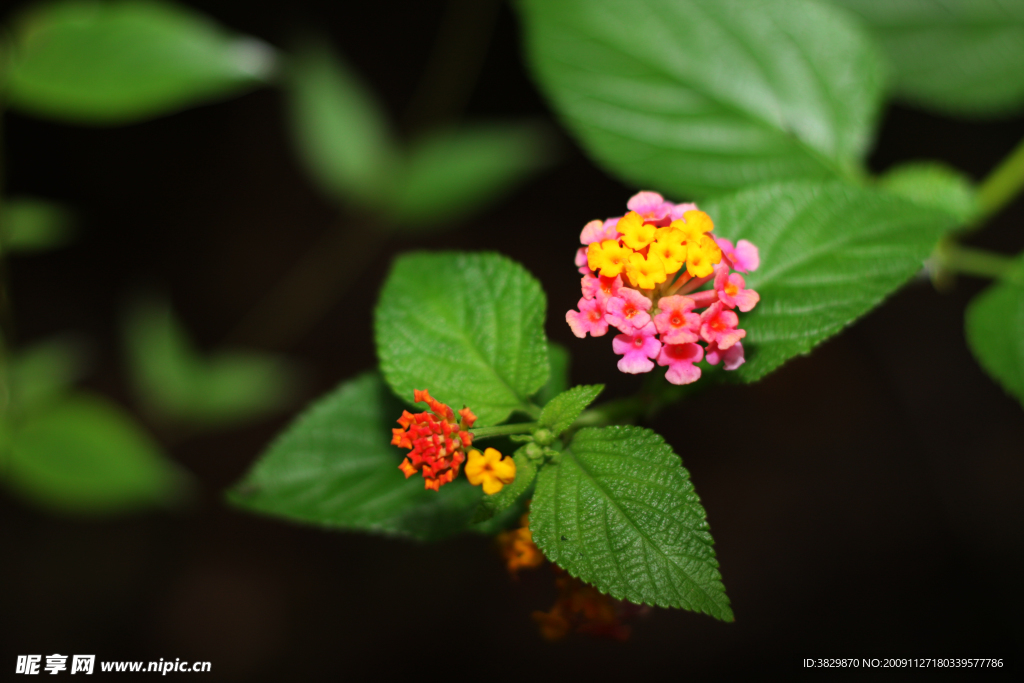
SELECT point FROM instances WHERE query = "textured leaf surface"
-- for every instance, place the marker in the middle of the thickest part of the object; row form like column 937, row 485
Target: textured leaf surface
column 995, row 332
column 453, row 173
column 830, row 252
column 468, row 327
column 335, row 466
column 691, row 97
column 340, row 131
column 934, row 185
column 28, row 225
column 221, row 388
column 563, row 409
column 618, row 511
column 526, row 472
column 957, row 56
column 116, row 62
column 84, row 455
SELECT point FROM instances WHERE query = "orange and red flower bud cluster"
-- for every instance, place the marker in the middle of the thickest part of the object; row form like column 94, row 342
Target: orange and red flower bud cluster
column 438, row 441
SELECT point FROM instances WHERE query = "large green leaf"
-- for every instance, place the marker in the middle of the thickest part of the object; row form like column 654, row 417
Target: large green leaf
column 468, row 327
column 558, row 381
column 995, row 332
column 88, row 61
column 957, row 56
column 935, row 185
column 340, row 131
column 453, row 173
column 697, row 96
column 618, row 511
column 85, row 455
column 335, row 466
column 218, row 389
column 830, row 252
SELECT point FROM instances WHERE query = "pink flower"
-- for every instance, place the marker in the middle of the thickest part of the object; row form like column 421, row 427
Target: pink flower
column 677, row 323
column 597, row 231
column 718, row 324
column 651, row 206
column 680, row 359
column 743, row 257
column 637, row 348
column 581, row 261
column 601, row 287
column 628, row 310
column 590, row 318
column 733, row 356
column 731, row 292
column 677, row 210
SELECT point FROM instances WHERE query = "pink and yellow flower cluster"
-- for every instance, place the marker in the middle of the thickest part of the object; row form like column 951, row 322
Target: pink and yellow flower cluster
column 662, row 279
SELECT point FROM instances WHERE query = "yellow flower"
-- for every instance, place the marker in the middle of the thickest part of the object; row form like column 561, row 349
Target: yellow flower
column 694, row 225
column 646, row 272
column 635, row 233
column 671, row 251
column 490, row 469
column 609, row 257
column 701, row 256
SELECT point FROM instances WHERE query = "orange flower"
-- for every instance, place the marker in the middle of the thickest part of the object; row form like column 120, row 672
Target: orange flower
column 436, row 440
column 518, row 548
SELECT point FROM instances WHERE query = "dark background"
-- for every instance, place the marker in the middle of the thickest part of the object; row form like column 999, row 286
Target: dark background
column 867, row 502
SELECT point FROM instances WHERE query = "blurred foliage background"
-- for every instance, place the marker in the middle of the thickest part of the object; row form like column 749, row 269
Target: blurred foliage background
column 199, row 203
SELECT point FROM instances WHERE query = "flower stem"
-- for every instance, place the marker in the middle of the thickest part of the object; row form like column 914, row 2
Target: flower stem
column 1002, row 184
column 978, row 262
column 503, row 430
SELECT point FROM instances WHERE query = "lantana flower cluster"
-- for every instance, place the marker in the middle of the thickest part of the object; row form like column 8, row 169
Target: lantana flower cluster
column 438, row 444
column 643, row 275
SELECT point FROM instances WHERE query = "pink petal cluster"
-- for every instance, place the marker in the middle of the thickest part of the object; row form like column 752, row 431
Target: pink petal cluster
column 666, row 324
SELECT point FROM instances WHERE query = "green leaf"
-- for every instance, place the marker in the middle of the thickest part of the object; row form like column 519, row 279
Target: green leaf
column 340, row 131
column 934, row 185
column 467, row 326
column 335, row 466
column 43, row 373
column 830, row 252
column 453, row 173
column 526, row 472
column 692, row 97
column 995, row 332
column 110, row 63
column 558, row 380
column 618, row 511
column 175, row 381
column 86, row 456
column 957, row 56
column 28, row 225
column 563, row 409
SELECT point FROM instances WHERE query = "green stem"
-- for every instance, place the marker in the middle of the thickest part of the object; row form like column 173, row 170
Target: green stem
column 1002, row 184
column 978, row 262
column 504, row 430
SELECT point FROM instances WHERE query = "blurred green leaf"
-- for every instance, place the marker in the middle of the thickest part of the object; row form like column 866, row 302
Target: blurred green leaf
column 618, row 510
column 340, row 131
column 558, row 380
column 692, row 97
column 28, row 225
column 453, row 173
column 43, row 373
column 934, row 185
column 957, row 56
column 468, row 327
column 219, row 389
column 335, row 466
column 995, row 332
column 830, row 252
column 87, row 456
column 108, row 63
